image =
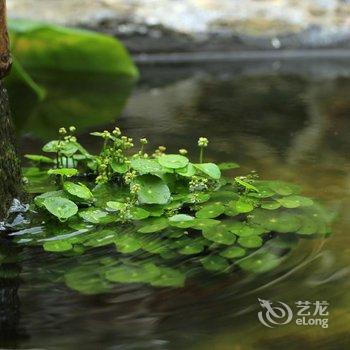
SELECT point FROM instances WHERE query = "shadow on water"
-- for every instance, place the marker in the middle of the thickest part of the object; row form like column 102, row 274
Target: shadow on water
column 86, row 100
column 285, row 120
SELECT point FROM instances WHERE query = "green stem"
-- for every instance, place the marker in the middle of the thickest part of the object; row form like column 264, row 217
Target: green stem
column 201, row 154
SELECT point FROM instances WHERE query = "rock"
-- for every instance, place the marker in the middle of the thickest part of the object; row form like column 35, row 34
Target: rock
column 166, row 25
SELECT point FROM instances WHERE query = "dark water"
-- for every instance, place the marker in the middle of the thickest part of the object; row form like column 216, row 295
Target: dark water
column 287, row 120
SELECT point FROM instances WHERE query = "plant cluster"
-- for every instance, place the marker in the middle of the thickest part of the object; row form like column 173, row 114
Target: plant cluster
column 157, row 209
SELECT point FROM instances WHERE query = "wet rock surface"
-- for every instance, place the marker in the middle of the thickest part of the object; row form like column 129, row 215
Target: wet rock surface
column 197, row 25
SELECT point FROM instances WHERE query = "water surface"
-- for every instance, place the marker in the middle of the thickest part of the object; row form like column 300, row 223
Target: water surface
column 286, row 120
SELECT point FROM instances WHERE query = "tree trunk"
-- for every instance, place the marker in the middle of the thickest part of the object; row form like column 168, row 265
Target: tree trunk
column 10, row 176
column 5, row 57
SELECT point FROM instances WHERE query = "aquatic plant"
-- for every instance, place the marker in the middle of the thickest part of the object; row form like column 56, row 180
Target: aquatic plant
column 164, row 214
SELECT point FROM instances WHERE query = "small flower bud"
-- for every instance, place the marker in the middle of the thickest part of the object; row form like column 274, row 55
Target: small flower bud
column 144, row 141
column 62, row 131
column 183, row 151
column 203, row 142
column 72, row 128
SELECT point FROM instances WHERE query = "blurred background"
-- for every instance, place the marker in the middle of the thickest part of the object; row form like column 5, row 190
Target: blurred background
column 168, row 25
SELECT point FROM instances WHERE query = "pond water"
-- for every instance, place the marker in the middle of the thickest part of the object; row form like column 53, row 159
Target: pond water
column 285, row 119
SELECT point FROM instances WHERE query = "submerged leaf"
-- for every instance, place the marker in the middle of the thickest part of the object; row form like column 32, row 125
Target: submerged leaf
column 127, row 244
column 57, row 246
column 228, row 166
column 215, row 263
column 39, row 159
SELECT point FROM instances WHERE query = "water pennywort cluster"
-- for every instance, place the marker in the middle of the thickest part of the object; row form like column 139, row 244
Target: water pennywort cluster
column 166, row 205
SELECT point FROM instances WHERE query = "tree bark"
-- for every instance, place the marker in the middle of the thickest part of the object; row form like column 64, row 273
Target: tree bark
column 5, row 57
column 10, row 175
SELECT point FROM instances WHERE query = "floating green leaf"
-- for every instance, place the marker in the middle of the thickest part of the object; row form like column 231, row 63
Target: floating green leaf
column 200, row 224
column 295, row 201
column 60, row 207
column 242, row 228
column 242, row 205
column 146, row 166
column 173, row 161
column 153, row 225
column 96, row 216
column 78, row 190
column 39, row 200
column 278, row 221
column 250, row 241
column 219, row 234
column 210, row 211
column 233, row 252
column 63, row 172
column 270, row 205
column 169, row 278
column 153, row 190
column 181, row 220
column 139, row 213
column 283, row 188
column 210, row 169
column 191, row 248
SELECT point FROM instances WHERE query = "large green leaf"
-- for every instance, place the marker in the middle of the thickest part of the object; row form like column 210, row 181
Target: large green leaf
column 62, row 74
column 45, row 46
column 62, row 208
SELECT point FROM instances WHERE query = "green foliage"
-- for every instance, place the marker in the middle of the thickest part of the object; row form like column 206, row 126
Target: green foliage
column 163, row 216
column 62, row 208
column 152, row 190
column 35, row 44
column 59, row 74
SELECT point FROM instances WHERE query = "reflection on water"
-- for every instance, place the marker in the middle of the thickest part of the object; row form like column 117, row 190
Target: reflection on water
column 86, row 100
column 288, row 124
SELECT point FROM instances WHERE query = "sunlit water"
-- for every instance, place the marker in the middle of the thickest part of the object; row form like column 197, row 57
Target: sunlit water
column 287, row 121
